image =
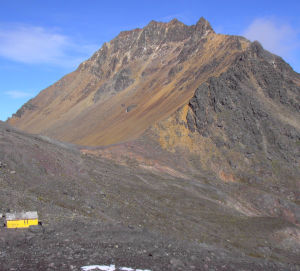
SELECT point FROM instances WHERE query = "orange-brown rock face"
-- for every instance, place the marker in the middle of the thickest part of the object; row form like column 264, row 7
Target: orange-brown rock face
column 138, row 78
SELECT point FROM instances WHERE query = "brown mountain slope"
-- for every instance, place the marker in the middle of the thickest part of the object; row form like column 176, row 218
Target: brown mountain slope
column 140, row 77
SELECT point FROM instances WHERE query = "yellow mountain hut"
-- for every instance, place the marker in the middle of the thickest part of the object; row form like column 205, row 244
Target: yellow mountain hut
column 21, row 220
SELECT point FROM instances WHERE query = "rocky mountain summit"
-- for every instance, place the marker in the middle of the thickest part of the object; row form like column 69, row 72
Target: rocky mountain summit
column 186, row 137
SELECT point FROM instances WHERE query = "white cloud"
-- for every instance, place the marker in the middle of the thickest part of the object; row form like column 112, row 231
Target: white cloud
column 16, row 94
column 36, row 45
column 279, row 38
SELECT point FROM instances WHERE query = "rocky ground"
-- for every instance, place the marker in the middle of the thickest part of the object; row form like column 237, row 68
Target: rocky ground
column 136, row 213
column 70, row 245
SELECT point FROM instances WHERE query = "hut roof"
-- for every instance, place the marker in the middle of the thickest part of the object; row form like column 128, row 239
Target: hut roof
column 22, row 215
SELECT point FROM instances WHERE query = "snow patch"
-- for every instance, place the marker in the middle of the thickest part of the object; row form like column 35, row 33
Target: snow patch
column 111, row 267
column 99, row 267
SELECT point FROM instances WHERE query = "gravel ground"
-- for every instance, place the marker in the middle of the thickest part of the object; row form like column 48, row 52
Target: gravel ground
column 98, row 212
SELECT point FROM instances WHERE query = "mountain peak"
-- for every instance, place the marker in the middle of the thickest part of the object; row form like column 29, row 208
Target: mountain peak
column 153, row 22
column 203, row 26
column 175, row 21
column 151, row 71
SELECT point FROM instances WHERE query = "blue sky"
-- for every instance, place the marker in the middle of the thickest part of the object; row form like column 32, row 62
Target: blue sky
column 41, row 41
